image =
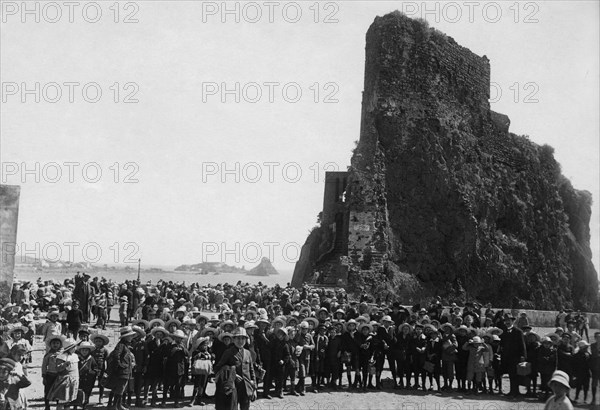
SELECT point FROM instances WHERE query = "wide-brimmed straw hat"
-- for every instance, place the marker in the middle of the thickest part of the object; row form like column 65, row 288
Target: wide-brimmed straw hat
column 363, row 325
column 495, row 330
column 430, row 327
column 126, row 331
column 173, row 322
column 140, row 323
column 208, row 330
column 250, row 325
column 157, row 329
column 284, row 331
column 58, row 337
column 178, row 334
column 160, row 323
column 537, row 337
column 101, row 337
column 312, row 320
column 447, row 326
column 403, row 325
column 86, row 345
column 140, row 332
column 223, row 335
column 22, row 329
column 387, row 318
column 227, row 322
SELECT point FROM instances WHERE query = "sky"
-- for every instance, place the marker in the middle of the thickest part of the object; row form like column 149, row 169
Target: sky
column 182, row 131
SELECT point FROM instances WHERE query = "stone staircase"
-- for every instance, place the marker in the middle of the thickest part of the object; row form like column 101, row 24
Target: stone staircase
column 330, row 269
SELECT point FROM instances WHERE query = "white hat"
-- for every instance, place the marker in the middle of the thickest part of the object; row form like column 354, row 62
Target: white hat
column 178, row 334
column 239, row 332
column 126, row 331
column 560, row 377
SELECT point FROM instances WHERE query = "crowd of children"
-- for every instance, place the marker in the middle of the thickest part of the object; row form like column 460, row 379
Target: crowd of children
column 299, row 342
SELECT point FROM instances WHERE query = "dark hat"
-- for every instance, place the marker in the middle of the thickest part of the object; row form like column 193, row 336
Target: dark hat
column 8, row 363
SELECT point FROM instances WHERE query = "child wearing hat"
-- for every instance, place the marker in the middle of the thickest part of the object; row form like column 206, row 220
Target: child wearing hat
column 18, row 340
column 140, row 354
column 88, row 370
column 50, row 366
column 581, row 370
column 449, row 355
column 365, row 353
column 74, row 319
column 119, row 366
column 11, row 382
column 532, row 345
column 52, row 326
column 559, row 383
column 18, row 354
column 176, row 367
column 280, row 356
column 65, row 387
column 318, row 357
column 101, row 303
column 546, row 364
column 333, row 355
column 479, row 360
column 434, row 356
column 291, row 368
column 201, row 369
column 100, row 353
column 418, row 351
column 123, row 309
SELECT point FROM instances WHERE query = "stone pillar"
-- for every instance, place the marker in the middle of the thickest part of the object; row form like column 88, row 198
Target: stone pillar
column 9, row 212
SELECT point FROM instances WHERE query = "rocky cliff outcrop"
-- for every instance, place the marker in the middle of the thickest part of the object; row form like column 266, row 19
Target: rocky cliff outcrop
column 454, row 203
column 264, row 268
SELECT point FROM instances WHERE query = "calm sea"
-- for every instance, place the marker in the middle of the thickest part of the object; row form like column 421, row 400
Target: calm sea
column 28, row 274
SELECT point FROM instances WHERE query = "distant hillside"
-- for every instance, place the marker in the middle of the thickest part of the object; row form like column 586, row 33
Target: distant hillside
column 210, row 267
column 264, row 268
column 21, row 260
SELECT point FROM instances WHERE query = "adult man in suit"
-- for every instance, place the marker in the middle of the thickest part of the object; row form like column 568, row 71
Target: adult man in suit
column 387, row 334
column 239, row 359
column 513, row 352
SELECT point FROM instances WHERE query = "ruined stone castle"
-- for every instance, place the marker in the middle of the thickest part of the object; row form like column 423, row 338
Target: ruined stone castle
column 441, row 199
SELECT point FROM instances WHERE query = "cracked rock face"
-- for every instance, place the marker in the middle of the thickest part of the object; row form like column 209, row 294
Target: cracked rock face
column 463, row 204
column 454, row 203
